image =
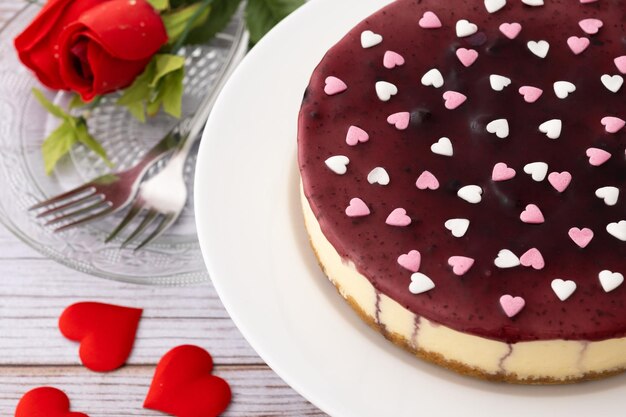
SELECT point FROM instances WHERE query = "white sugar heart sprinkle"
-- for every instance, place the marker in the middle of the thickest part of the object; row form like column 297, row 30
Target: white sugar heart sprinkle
column 370, row 39
column 493, row 6
column 338, row 164
column 385, row 90
column 420, row 283
column 357, row 208
column 537, row 170
column 398, row 217
column 433, row 78
column 465, row 28
column 563, row 289
column 612, row 82
column 562, row 89
column 534, row 3
column 552, row 128
column 442, row 147
column 512, row 305
column 458, row 227
column 500, row 127
column 471, row 193
column 499, row 82
column 610, row 195
column 506, row 259
column 617, row 230
column 501, row 172
column 610, row 280
column 539, row 48
column 378, row 176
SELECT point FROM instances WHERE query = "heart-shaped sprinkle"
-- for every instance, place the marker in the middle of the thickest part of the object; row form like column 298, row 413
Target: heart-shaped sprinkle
column 563, row 289
column 577, row 45
column 442, row 147
column 511, row 30
column 511, row 305
column 357, row 208
column 506, row 259
column 581, row 237
column 499, row 82
column 398, row 218
column 587, row 1
column 562, row 89
column 612, row 82
column 532, row 258
column 500, row 127
column 610, row 195
column 617, row 230
column 612, row 124
column 552, row 128
column 465, row 28
column 591, row 26
column 610, row 280
column 534, row 3
column 501, row 172
column 385, row 90
column 338, row 164
column 532, row 215
column 420, row 283
column 597, row 156
column 378, row 176
column 471, row 193
column 356, row 135
column 334, row 86
column 620, row 63
column 537, row 170
column 427, row 181
column 493, row 6
column 530, row 93
column 45, row 402
column 460, row 264
column 453, row 99
column 458, row 227
column 411, row 260
column 539, row 48
column 430, row 21
column 399, row 120
column 433, row 78
column 560, row 180
column 370, row 39
column 467, row 56
column 392, row 59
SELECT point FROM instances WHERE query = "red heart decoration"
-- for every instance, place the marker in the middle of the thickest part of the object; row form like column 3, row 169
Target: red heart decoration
column 183, row 385
column 45, row 402
column 106, row 333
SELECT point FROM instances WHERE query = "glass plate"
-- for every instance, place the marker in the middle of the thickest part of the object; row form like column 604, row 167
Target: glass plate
column 174, row 258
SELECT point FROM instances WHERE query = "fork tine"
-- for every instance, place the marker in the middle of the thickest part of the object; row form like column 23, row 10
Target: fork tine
column 77, row 213
column 132, row 213
column 87, row 219
column 64, row 196
column 162, row 227
column 71, row 204
column 150, row 216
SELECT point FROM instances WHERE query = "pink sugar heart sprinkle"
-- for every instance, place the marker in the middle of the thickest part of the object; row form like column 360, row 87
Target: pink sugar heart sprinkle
column 588, row 1
column 356, row 135
column 613, row 124
column 581, row 237
column 430, row 21
column 357, row 208
column 532, row 215
column 400, row 120
column 501, row 172
column 453, row 99
column 597, row 156
column 591, row 26
column 334, row 86
column 392, row 59
column 620, row 63
column 467, row 56
column 512, row 305
column 533, row 258
column 577, row 45
column 427, row 181
column 411, row 260
column 460, row 264
column 511, row 30
column 560, row 180
column 531, row 94
column 398, row 218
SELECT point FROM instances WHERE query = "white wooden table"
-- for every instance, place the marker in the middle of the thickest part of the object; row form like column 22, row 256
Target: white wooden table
column 35, row 290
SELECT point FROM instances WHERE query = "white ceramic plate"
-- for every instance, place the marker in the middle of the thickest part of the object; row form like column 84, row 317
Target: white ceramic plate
column 257, row 253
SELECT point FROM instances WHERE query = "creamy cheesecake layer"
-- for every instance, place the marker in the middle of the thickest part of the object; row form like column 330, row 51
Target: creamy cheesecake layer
column 549, row 361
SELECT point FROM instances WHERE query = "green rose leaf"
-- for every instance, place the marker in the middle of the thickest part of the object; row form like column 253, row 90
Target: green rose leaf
column 221, row 13
column 179, row 22
column 263, row 15
column 160, row 4
column 57, row 145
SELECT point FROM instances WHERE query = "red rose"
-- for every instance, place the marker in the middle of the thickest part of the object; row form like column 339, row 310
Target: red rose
column 92, row 47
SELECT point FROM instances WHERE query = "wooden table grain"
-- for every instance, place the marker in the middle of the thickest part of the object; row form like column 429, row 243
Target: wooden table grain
column 35, row 290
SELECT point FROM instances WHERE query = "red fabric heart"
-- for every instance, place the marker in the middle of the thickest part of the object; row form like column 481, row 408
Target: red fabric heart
column 106, row 333
column 183, row 385
column 45, row 402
